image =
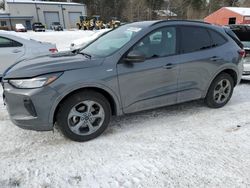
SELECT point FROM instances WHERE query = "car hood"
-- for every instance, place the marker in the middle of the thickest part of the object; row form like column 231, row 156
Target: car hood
column 59, row 62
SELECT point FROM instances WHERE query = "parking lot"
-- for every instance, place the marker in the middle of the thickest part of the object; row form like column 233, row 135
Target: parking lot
column 188, row 145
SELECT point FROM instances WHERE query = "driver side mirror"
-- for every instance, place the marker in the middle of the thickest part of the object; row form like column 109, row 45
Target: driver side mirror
column 135, row 56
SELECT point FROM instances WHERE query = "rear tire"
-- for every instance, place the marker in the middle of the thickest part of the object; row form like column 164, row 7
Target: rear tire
column 220, row 91
column 84, row 116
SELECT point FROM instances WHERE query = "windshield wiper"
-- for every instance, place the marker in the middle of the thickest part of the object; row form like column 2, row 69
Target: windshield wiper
column 86, row 55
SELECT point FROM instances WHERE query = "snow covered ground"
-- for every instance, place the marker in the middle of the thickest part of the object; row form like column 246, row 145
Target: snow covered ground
column 187, row 145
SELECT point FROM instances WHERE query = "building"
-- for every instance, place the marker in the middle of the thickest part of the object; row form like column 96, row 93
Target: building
column 27, row 12
column 229, row 15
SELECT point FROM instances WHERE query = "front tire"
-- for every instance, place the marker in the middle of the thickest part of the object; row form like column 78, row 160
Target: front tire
column 220, row 91
column 84, row 116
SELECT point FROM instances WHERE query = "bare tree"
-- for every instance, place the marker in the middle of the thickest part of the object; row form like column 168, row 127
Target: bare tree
column 245, row 3
column 135, row 10
column 2, row 4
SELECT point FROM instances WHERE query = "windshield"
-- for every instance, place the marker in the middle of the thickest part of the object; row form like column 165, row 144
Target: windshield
column 109, row 43
column 56, row 23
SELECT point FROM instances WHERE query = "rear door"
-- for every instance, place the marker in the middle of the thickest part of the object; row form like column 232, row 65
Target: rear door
column 10, row 52
column 199, row 58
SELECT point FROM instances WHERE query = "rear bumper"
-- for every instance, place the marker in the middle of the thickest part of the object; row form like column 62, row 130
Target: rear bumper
column 21, row 30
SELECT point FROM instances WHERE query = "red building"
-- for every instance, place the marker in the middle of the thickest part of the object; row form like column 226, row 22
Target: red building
column 229, row 15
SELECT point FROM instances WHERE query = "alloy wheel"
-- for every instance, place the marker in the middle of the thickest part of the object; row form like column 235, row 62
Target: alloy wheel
column 86, row 117
column 222, row 91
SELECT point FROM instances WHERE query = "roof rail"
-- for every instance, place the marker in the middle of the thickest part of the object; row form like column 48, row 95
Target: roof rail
column 191, row 21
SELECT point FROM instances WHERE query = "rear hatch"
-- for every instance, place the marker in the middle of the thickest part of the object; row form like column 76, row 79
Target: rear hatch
column 243, row 33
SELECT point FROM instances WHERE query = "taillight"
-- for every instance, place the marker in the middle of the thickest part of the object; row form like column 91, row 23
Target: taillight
column 242, row 53
column 53, row 50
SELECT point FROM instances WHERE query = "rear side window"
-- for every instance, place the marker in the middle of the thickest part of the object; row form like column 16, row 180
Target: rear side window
column 5, row 43
column 194, row 39
column 217, row 39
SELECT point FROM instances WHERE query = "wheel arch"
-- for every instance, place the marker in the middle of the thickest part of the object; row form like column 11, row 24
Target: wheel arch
column 112, row 99
column 230, row 71
column 233, row 74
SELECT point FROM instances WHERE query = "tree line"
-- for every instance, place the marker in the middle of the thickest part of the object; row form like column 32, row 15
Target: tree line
column 135, row 10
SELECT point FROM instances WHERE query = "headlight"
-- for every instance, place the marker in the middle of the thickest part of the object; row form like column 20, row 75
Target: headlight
column 36, row 82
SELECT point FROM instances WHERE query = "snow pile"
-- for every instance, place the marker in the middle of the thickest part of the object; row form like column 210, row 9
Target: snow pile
column 79, row 43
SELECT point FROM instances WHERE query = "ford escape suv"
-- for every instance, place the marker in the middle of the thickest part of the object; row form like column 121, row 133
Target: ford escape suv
column 138, row 66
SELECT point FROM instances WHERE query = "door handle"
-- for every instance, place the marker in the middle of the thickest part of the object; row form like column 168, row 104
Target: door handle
column 16, row 51
column 215, row 58
column 168, row 66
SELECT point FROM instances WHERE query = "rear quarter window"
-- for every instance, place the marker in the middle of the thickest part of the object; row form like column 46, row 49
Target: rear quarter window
column 194, row 39
column 217, row 39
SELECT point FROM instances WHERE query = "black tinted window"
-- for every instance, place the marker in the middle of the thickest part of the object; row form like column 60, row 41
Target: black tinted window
column 159, row 43
column 217, row 39
column 234, row 37
column 4, row 43
column 194, row 39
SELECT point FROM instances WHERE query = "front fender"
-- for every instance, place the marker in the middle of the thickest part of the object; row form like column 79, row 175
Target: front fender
column 82, row 86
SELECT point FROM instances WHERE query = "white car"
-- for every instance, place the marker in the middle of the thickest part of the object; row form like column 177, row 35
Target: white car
column 14, row 48
column 82, row 42
column 246, row 61
column 20, row 28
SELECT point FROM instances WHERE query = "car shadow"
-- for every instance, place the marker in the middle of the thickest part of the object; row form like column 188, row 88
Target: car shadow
column 138, row 118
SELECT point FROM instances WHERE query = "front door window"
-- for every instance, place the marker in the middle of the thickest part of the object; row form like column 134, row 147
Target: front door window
column 159, row 43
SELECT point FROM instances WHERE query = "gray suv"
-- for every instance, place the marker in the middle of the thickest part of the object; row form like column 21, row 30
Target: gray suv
column 138, row 66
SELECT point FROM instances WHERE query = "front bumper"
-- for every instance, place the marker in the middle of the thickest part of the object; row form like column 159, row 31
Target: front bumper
column 58, row 28
column 30, row 108
column 21, row 30
column 246, row 64
column 39, row 30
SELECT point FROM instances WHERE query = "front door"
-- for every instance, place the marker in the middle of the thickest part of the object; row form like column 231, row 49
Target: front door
column 152, row 83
